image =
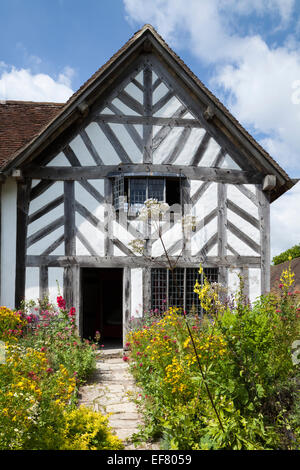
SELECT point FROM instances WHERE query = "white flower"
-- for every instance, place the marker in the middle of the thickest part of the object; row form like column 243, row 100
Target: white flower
column 153, row 209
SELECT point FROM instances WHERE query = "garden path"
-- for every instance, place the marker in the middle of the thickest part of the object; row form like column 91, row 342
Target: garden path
column 108, row 391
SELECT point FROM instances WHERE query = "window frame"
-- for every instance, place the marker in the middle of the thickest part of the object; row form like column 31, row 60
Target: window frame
column 207, row 271
column 121, row 200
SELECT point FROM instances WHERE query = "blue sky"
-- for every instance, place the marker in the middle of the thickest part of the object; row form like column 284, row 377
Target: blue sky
column 247, row 52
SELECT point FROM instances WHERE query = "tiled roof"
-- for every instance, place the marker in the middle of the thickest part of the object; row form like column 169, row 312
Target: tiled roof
column 20, row 122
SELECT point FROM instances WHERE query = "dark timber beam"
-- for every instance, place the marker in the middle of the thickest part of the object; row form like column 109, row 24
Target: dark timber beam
column 81, row 173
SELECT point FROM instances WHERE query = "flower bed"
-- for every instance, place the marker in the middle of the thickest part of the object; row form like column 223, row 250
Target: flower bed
column 45, row 362
column 225, row 381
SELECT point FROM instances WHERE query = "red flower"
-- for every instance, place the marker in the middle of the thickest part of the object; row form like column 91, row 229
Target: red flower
column 125, row 358
column 43, row 349
column 72, row 312
column 49, row 370
column 280, row 286
column 61, row 302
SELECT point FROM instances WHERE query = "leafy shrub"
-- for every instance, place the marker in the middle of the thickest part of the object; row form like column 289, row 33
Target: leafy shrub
column 12, row 324
column 225, row 381
column 291, row 253
column 88, row 430
column 45, row 361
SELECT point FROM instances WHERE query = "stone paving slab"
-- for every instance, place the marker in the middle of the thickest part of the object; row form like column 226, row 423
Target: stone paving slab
column 107, row 392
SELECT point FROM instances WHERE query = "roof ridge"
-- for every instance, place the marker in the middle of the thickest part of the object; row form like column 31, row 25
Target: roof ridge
column 35, row 103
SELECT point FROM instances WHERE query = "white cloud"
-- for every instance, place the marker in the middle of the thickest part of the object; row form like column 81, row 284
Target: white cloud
column 285, row 221
column 254, row 79
column 23, row 84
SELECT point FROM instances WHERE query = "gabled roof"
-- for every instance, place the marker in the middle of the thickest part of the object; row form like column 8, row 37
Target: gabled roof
column 20, row 122
column 67, row 113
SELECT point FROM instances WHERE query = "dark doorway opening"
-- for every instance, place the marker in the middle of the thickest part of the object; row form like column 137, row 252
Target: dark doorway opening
column 102, row 305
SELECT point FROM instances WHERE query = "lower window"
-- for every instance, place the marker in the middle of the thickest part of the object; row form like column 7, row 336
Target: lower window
column 176, row 288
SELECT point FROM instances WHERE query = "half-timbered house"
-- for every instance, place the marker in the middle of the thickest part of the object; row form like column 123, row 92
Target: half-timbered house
column 74, row 177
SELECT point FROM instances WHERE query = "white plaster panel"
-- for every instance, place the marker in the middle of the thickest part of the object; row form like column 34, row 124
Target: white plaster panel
column 135, row 92
column 210, row 154
column 207, row 202
column 233, row 280
column 46, row 219
column 54, row 191
column 159, row 92
column 137, row 292
column 98, row 185
column 169, row 108
column 32, row 290
column 118, row 252
column 125, row 109
column 154, row 77
column 40, row 246
column 127, row 142
column 236, row 196
column 239, row 246
column 230, row 164
column 169, row 238
column 199, row 239
column 120, row 233
column 59, row 160
column 56, row 283
column 140, row 76
column 166, row 147
column 81, row 250
column 254, row 283
column 34, row 183
column 81, row 152
column 102, row 145
column 106, row 111
column 8, row 242
column 244, row 226
column 88, row 201
column 190, row 147
column 139, row 129
column 93, row 235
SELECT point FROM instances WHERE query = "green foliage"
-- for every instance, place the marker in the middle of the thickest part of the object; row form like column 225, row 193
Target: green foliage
column 45, row 362
column 226, row 381
column 293, row 252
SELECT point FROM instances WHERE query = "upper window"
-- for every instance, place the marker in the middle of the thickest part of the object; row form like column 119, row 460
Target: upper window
column 130, row 194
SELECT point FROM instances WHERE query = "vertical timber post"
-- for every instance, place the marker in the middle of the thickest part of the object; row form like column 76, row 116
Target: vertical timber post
column 23, row 195
column 264, row 221
column 126, row 302
column 70, row 247
column 222, row 232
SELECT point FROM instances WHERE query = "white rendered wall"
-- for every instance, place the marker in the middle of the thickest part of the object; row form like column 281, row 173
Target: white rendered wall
column 8, row 242
column 137, row 292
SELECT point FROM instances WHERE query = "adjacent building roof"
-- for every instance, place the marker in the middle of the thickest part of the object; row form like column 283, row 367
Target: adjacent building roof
column 23, row 126
column 20, row 122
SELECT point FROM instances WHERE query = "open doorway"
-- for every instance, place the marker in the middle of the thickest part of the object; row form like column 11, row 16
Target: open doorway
column 102, row 306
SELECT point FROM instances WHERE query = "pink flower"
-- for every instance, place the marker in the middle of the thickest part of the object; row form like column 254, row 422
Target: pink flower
column 141, row 364
column 49, row 370
column 61, row 302
column 125, row 358
column 280, row 286
column 127, row 345
column 278, row 311
column 72, row 311
column 43, row 349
